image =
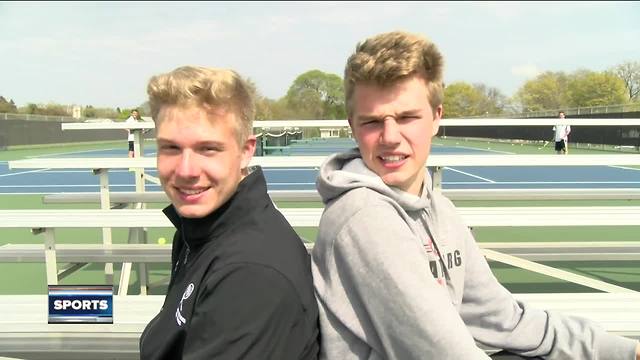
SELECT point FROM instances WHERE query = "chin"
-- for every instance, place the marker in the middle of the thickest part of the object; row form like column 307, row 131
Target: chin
column 192, row 212
column 393, row 179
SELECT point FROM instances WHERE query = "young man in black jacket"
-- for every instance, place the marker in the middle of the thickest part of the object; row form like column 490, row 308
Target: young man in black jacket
column 241, row 284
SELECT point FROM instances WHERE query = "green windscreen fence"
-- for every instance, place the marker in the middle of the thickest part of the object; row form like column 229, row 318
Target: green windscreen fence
column 266, row 142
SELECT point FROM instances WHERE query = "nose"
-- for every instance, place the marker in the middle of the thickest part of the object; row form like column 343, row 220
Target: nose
column 390, row 132
column 188, row 166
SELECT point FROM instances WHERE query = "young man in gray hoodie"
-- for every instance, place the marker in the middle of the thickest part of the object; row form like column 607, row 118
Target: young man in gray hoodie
column 397, row 273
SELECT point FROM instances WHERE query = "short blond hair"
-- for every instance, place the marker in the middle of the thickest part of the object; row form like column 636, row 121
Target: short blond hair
column 207, row 88
column 387, row 58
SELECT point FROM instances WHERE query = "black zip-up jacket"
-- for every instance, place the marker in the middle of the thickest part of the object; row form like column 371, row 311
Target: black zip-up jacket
column 240, row 288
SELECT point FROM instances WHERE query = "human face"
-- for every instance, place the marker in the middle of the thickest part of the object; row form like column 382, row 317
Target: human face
column 135, row 114
column 200, row 162
column 393, row 126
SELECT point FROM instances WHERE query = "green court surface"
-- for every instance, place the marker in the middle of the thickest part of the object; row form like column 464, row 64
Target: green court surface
column 23, row 152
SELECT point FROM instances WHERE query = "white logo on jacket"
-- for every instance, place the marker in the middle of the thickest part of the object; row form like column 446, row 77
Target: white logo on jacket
column 187, row 292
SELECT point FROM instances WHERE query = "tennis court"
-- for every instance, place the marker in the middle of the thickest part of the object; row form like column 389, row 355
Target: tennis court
column 24, row 189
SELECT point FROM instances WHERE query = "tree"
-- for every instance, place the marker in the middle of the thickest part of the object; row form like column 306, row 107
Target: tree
column 7, row 106
column 317, row 95
column 262, row 104
column 89, row 111
column 547, row 91
column 629, row 72
column 31, row 108
column 590, row 88
column 492, row 100
column 462, row 99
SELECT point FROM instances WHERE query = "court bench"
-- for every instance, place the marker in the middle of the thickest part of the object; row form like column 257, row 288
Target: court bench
column 24, row 332
column 46, row 221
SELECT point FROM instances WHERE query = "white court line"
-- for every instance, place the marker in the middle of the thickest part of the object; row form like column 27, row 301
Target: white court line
column 541, row 182
column 289, row 169
column 70, row 152
column 123, row 185
column 485, row 150
column 289, row 184
column 25, row 172
column 72, row 186
column 623, row 167
column 88, row 171
column 155, row 171
column 469, row 174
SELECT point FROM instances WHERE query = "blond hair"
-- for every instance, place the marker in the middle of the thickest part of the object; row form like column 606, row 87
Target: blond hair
column 387, row 58
column 208, row 88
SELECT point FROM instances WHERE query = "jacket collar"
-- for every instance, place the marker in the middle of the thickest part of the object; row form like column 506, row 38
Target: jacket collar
column 250, row 195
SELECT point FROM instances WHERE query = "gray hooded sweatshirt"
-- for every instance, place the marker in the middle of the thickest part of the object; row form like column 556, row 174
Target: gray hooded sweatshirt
column 399, row 276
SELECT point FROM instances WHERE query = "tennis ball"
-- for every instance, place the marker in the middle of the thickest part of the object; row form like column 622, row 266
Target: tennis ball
column 162, row 241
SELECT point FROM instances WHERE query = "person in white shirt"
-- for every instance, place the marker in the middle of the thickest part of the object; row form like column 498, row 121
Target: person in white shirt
column 562, row 136
column 135, row 116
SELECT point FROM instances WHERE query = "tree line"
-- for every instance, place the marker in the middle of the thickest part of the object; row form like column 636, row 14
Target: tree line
column 319, row 95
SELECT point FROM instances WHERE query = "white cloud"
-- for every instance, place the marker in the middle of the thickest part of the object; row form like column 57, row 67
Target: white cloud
column 527, row 70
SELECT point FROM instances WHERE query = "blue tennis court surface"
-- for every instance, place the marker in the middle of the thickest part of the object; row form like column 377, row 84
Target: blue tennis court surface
column 38, row 181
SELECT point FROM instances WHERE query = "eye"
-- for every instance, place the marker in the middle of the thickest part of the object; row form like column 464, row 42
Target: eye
column 409, row 117
column 369, row 123
column 210, row 149
column 168, row 148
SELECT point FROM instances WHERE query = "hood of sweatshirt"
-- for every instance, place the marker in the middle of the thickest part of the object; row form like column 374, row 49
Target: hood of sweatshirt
column 346, row 171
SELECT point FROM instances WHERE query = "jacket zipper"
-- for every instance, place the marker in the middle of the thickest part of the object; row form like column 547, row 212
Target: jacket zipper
column 186, row 244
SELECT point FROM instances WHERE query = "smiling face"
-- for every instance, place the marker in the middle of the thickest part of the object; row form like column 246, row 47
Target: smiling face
column 200, row 162
column 393, row 126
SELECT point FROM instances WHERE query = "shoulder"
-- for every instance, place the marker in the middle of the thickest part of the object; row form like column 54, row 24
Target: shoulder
column 353, row 204
column 359, row 216
column 243, row 284
column 249, row 276
column 265, row 243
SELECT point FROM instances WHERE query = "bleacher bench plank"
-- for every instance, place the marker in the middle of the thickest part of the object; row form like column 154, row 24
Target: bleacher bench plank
column 24, row 331
column 130, row 197
column 310, row 217
column 156, row 253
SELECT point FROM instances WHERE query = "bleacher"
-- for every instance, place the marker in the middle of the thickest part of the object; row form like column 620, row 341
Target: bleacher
column 25, row 333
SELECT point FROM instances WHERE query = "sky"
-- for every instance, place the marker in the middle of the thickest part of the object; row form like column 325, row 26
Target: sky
column 104, row 53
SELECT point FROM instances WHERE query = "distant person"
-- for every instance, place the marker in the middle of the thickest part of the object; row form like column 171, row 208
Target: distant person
column 134, row 117
column 562, row 136
column 241, row 285
column 397, row 273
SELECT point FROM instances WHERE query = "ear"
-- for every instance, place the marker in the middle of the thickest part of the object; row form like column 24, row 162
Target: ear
column 437, row 115
column 248, row 148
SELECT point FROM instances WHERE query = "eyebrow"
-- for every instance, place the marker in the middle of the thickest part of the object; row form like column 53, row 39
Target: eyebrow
column 198, row 143
column 371, row 117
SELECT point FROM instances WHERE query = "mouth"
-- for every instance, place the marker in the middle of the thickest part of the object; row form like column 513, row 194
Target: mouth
column 393, row 161
column 392, row 158
column 190, row 195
